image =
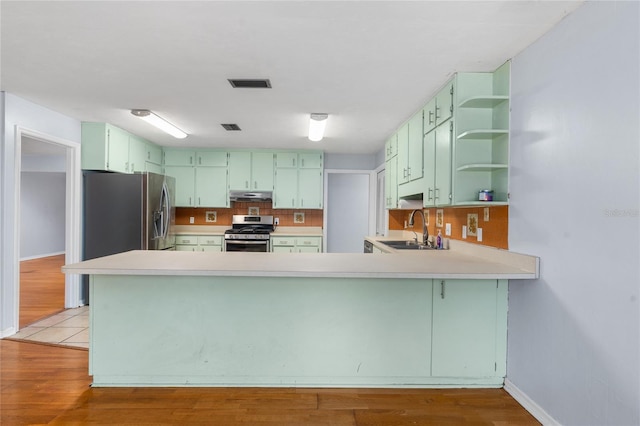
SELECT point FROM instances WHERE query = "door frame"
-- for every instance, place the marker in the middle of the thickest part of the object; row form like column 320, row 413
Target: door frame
column 372, row 200
column 73, row 193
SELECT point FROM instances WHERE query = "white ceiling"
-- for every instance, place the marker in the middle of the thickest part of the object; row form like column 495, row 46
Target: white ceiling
column 370, row 65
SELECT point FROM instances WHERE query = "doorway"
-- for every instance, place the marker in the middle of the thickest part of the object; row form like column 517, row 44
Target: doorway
column 42, row 230
column 59, row 162
column 349, row 210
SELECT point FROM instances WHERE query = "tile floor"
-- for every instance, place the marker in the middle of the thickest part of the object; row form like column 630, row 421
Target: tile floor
column 69, row 328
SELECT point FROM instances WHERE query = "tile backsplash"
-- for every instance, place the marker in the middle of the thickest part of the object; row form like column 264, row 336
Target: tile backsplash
column 494, row 224
column 222, row 216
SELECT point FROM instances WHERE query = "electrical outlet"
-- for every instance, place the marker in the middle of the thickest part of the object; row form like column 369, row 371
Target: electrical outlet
column 464, row 232
column 276, row 221
column 447, row 229
column 192, row 219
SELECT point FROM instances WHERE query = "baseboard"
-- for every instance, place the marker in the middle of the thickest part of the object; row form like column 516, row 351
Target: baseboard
column 7, row 332
column 40, row 256
column 530, row 405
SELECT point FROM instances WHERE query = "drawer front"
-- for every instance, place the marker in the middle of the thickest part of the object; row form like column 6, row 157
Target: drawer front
column 283, row 241
column 186, row 248
column 187, row 239
column 210, row 248
column 309, row 241
column 210, row 240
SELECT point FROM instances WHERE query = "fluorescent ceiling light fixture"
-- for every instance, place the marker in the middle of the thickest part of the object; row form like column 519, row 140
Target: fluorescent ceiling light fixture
column 317, row 123
column 159, row 122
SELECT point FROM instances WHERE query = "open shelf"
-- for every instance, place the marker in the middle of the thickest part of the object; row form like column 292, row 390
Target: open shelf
column 483, row 134
column 483, row 101
column 481, row 167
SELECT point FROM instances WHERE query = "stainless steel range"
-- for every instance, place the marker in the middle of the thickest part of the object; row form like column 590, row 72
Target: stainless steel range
column 249, row 233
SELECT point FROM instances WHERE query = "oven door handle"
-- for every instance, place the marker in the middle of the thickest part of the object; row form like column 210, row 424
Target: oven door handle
column 249, row 242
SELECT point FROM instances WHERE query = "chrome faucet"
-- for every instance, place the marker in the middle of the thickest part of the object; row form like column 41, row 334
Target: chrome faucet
column 425, row 231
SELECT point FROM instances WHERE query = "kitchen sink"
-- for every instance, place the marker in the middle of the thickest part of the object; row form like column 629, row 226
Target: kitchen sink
column 406, row 245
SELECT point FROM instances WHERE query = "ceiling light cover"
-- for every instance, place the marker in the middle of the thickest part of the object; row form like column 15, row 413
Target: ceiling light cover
column 317, row 124
column 159, row 122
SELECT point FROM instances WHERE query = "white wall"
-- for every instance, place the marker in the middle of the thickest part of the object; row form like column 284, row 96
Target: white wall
column 350, row 161
column 19, row 112
column 574, row 333
column 42, row 214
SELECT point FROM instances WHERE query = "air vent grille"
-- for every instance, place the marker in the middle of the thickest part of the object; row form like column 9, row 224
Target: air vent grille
column 231, row 127
column 250, row 83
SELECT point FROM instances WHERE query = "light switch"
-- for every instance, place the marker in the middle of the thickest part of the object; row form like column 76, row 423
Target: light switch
column 447, row 229
column 464, row 232
column 192, row 219
column 479, row 234
column 276, row 221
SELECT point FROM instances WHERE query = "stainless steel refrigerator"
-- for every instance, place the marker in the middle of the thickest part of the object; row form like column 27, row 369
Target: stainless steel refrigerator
column 123, row 212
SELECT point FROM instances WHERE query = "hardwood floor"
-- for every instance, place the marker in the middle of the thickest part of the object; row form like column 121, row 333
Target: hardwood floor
column 41, row 384
column 41, row 288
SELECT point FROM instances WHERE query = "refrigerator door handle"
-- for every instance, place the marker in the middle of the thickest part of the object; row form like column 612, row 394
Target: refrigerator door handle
column 165, row 202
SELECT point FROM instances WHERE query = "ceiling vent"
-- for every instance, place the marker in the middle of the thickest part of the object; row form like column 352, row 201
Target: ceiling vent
column 250, row 83
column 231, row 127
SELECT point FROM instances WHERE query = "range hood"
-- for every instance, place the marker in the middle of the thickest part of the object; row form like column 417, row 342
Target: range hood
column 250, row 195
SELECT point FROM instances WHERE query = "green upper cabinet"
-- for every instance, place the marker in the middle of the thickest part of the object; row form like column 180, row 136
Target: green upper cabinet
column 440, row 108
column 299, row 180
column 137, row 154
column 391, row 183
column 391, row 147
column 211, row 187
column 185, row 184
column 179, row 157
column 437, row 165
column 213, row 158
column 410, row 157
column 154, row 153
column 106, row 147
column 469, row 328
column 251, row 171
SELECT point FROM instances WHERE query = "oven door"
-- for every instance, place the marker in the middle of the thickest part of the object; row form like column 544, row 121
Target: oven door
column 258, row 246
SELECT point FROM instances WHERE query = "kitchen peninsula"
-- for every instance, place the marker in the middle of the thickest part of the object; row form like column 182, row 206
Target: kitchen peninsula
column 428, row 319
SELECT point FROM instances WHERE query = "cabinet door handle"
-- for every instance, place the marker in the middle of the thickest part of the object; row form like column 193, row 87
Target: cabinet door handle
column 409, row 171
column 294, row 162
column 191, row 160
column 431, row 117
column 293, row 201
column 199, row 203
column 429, row 196
column 442, row 289
column 255, row 184
column 302, row 162
column 200, row 161
column 189, row 200
column 246, row 184
column 148, row 155
column 436, row 193
column 302, row 202
column 437, row 112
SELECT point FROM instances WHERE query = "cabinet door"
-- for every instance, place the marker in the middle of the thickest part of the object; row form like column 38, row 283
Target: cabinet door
column 179, row 157
column 286, row 160
column 444, row 103
column 429, row 169
column 262, row 171
column 185, row 184
column 416, row 157
column 444, row 135
column 137, row 154
column 429, row 120
column 403, row 154
column 310, row 188
column 310, row 161
column 211, row 187
column 304, row 249
column 153, row 168
column 118, row 150
column 391, row 183
column 285, row 192
column 211, row 158
column 391, row 147
column 282, row 249
column 240, row 171
column 154, row 153
column 464, row 337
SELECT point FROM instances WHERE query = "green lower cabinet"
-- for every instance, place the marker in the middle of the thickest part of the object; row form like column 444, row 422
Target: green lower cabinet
column 199, row 243
column 290, row 244
column 469, row 328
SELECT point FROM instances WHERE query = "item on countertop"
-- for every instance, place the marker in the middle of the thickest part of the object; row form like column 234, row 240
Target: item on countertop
column 485, row 195
column 439, row 244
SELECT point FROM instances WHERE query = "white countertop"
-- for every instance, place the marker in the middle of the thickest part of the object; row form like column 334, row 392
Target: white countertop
column 428, row 264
